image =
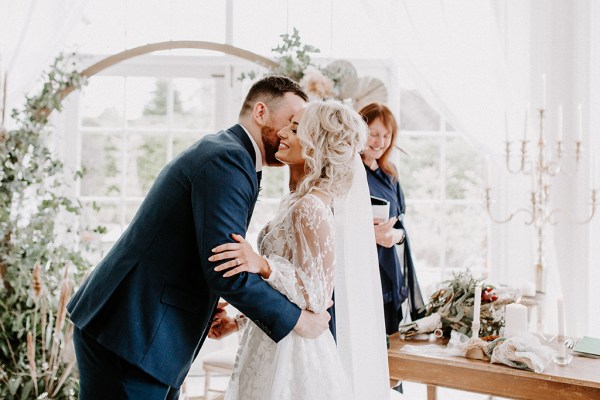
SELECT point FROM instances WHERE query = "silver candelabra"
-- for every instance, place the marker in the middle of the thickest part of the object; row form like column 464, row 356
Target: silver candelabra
column 542, row 166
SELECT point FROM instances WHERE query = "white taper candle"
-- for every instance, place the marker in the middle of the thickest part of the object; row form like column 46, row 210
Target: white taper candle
column 561, row 326
column 579, row 123
column 476, row 309
column 544, row 91
column 560, row 123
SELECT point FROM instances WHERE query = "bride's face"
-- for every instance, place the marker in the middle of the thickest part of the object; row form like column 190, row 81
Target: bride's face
column 290, row 148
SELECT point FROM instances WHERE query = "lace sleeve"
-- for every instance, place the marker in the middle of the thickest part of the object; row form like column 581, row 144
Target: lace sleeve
column 308, row 279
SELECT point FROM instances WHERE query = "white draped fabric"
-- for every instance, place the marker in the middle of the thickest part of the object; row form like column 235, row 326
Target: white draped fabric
column 33, row 33
column 454, row 55
column 358, row 306
column 479, row 63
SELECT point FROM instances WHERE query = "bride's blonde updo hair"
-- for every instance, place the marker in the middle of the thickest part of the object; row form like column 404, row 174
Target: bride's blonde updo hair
column 331, row 134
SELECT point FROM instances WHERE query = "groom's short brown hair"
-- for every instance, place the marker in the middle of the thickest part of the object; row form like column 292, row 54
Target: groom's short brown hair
column 269, row 90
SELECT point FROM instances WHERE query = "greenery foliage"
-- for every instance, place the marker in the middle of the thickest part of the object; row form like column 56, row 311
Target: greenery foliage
column 294, row 61
column 293, row 57
column 40, row 250
column 455, row 302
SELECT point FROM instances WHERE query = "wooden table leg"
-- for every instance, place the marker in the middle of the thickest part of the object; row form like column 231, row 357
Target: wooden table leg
column 431, row 392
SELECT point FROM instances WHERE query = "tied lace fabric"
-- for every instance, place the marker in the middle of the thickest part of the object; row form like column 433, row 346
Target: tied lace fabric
column 299, row 246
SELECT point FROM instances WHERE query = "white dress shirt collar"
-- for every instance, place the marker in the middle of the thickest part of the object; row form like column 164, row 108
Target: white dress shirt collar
column 258, row 156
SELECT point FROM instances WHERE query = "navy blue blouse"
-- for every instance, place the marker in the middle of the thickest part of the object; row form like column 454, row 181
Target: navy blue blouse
column 395, row 287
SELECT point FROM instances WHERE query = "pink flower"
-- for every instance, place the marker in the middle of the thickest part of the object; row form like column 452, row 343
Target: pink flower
column 316, row 84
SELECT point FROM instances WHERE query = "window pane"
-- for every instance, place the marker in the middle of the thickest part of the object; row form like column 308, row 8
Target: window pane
column 466, row 238
column 101, row 162
column 131, row 207
column 416, row 114
column 103, row 101
column 146, row 102
column 422, row 222
column 106, row 214
column 264, row 211
column 274, row 182
column 146, row 157
column 464, row 176
column 182, row 141
column 194, row 103
column 420, row 173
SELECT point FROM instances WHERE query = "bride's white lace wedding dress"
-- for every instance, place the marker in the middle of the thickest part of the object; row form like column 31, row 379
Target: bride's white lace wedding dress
column 299, row 246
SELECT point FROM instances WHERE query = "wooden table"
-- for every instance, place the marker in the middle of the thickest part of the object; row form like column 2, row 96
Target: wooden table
column 579, row 380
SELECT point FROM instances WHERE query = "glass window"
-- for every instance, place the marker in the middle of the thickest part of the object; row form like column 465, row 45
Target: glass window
column 103, row 102
column 131, row 125
column 146, row 155
column 101, row 161
column 129, row 128
column 441, row 175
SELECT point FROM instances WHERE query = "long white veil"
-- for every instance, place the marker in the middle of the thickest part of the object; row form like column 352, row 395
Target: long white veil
column 360, row 326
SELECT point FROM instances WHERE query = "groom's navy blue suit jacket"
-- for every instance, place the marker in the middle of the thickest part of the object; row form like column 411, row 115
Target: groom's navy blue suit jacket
column 151, row 299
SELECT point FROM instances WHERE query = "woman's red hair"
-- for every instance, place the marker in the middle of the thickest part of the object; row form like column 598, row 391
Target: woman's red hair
column 370, row 113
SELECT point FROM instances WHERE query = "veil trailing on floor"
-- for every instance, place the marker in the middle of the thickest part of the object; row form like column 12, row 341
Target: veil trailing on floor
column 360, row 326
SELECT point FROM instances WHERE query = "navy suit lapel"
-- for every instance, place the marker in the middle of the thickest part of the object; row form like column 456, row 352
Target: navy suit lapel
column 243, row 138
column 239, row 132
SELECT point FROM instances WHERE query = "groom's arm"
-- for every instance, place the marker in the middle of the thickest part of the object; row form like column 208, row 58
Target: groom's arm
column 222, row 195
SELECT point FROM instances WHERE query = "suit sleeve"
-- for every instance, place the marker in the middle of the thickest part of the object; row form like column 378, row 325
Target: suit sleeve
column 222, row 196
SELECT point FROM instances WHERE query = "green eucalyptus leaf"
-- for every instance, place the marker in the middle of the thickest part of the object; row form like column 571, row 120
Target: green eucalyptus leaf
column 33, row 215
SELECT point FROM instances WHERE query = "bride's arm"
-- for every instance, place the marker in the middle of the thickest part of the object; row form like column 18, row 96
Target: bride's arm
column 313, row 233
column 311, row 285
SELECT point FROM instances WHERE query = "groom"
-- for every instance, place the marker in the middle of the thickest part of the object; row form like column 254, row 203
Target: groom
column 142, row 315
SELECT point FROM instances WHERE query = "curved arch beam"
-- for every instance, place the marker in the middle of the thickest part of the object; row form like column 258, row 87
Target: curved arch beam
column 170, row 45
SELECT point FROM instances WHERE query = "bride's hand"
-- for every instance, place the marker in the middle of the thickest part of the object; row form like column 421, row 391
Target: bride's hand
column 242, row 258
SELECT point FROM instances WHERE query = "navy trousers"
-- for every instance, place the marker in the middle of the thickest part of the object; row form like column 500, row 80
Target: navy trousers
column 103, row 375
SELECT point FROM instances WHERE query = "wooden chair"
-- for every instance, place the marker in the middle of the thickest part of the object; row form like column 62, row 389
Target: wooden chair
column 218, row 362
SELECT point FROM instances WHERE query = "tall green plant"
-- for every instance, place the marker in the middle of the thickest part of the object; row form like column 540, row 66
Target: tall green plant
column 40, row 254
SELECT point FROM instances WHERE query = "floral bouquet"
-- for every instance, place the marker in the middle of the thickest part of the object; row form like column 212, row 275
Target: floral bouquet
column 337, row 80
column 454, row 304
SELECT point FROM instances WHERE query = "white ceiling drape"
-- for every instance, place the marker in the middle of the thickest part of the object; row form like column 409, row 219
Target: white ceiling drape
column 451, row 50
column 33, row 33
column 453, row 53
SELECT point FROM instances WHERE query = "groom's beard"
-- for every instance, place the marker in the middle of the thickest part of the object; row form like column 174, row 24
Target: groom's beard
column 271, row 144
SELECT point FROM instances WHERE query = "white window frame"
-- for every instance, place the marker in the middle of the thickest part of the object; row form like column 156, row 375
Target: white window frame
column 443, row 271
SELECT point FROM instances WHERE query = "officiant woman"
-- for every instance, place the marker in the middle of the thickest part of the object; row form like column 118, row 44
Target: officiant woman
column 398, row 278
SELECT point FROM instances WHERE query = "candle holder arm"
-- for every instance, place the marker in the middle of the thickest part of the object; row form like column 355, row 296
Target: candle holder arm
column 522, row 158
column 488, row 206
column 571, row 217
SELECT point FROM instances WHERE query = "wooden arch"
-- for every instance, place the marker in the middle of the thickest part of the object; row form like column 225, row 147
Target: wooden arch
column 171, row 45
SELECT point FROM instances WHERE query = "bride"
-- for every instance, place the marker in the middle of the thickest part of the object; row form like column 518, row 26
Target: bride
column 305, row 254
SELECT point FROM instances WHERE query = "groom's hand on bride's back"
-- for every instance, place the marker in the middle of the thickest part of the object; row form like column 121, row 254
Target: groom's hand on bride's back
column 311, row 325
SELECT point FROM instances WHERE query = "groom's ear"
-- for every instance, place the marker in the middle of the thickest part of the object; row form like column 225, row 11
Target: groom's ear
column 260, row 113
